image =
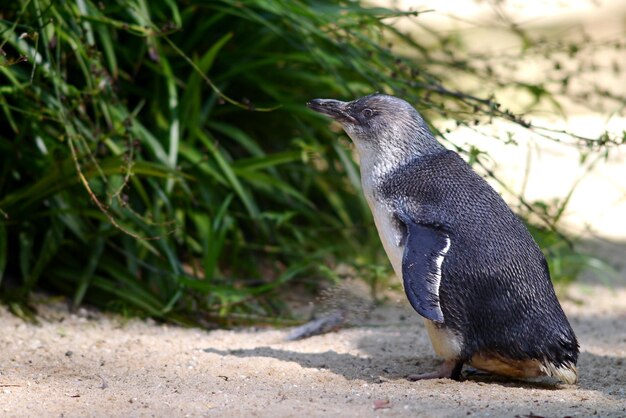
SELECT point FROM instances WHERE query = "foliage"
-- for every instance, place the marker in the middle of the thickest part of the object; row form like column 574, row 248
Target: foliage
column 157, row 156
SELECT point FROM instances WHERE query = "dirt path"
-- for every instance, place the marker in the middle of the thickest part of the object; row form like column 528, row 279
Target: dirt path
column 98, row 365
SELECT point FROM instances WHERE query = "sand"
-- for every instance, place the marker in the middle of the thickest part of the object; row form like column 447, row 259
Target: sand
column 97, row 364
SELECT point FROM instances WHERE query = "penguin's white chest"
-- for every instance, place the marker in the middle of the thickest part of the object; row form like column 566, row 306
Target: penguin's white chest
column 388, row 233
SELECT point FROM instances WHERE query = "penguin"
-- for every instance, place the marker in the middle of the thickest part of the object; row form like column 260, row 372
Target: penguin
column 468, row 264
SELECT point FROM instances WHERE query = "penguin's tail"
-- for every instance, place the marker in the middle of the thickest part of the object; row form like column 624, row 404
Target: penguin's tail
column 565, row 372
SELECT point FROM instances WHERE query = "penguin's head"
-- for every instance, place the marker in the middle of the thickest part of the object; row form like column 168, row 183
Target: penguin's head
column 384, row 129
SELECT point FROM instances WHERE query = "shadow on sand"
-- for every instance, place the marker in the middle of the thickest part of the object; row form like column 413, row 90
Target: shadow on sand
column 381, row 362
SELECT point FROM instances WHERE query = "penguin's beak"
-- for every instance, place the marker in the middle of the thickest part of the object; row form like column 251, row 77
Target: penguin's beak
column 334, row 108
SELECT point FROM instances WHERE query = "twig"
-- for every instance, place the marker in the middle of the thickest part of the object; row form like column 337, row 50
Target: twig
column 104, row 383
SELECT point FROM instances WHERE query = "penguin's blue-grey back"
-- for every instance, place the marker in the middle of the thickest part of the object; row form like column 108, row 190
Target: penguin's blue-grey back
column 495, row 288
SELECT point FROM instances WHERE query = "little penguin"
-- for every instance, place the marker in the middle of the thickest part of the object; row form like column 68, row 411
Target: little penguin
column 468, row 264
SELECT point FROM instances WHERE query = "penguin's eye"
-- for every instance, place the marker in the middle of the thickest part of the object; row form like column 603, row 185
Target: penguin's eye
column 368, row 113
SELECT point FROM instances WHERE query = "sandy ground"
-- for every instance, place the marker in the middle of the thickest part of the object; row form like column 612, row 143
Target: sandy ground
column 94, row 364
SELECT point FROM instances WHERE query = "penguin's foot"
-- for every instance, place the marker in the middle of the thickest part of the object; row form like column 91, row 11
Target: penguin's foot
column 449, row 369
column 473, row 372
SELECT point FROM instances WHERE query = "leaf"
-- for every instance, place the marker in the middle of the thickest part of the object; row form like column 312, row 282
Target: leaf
column 49, row 247
column 231, row 177
column 84, row 280
column 4, row 249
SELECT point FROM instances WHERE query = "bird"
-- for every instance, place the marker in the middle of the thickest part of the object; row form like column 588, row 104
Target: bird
column 468, row 264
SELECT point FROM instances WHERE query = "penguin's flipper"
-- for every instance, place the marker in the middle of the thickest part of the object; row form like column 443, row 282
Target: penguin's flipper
column 424, row 250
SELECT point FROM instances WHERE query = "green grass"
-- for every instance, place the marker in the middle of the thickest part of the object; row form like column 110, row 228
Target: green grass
column 157, row 157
